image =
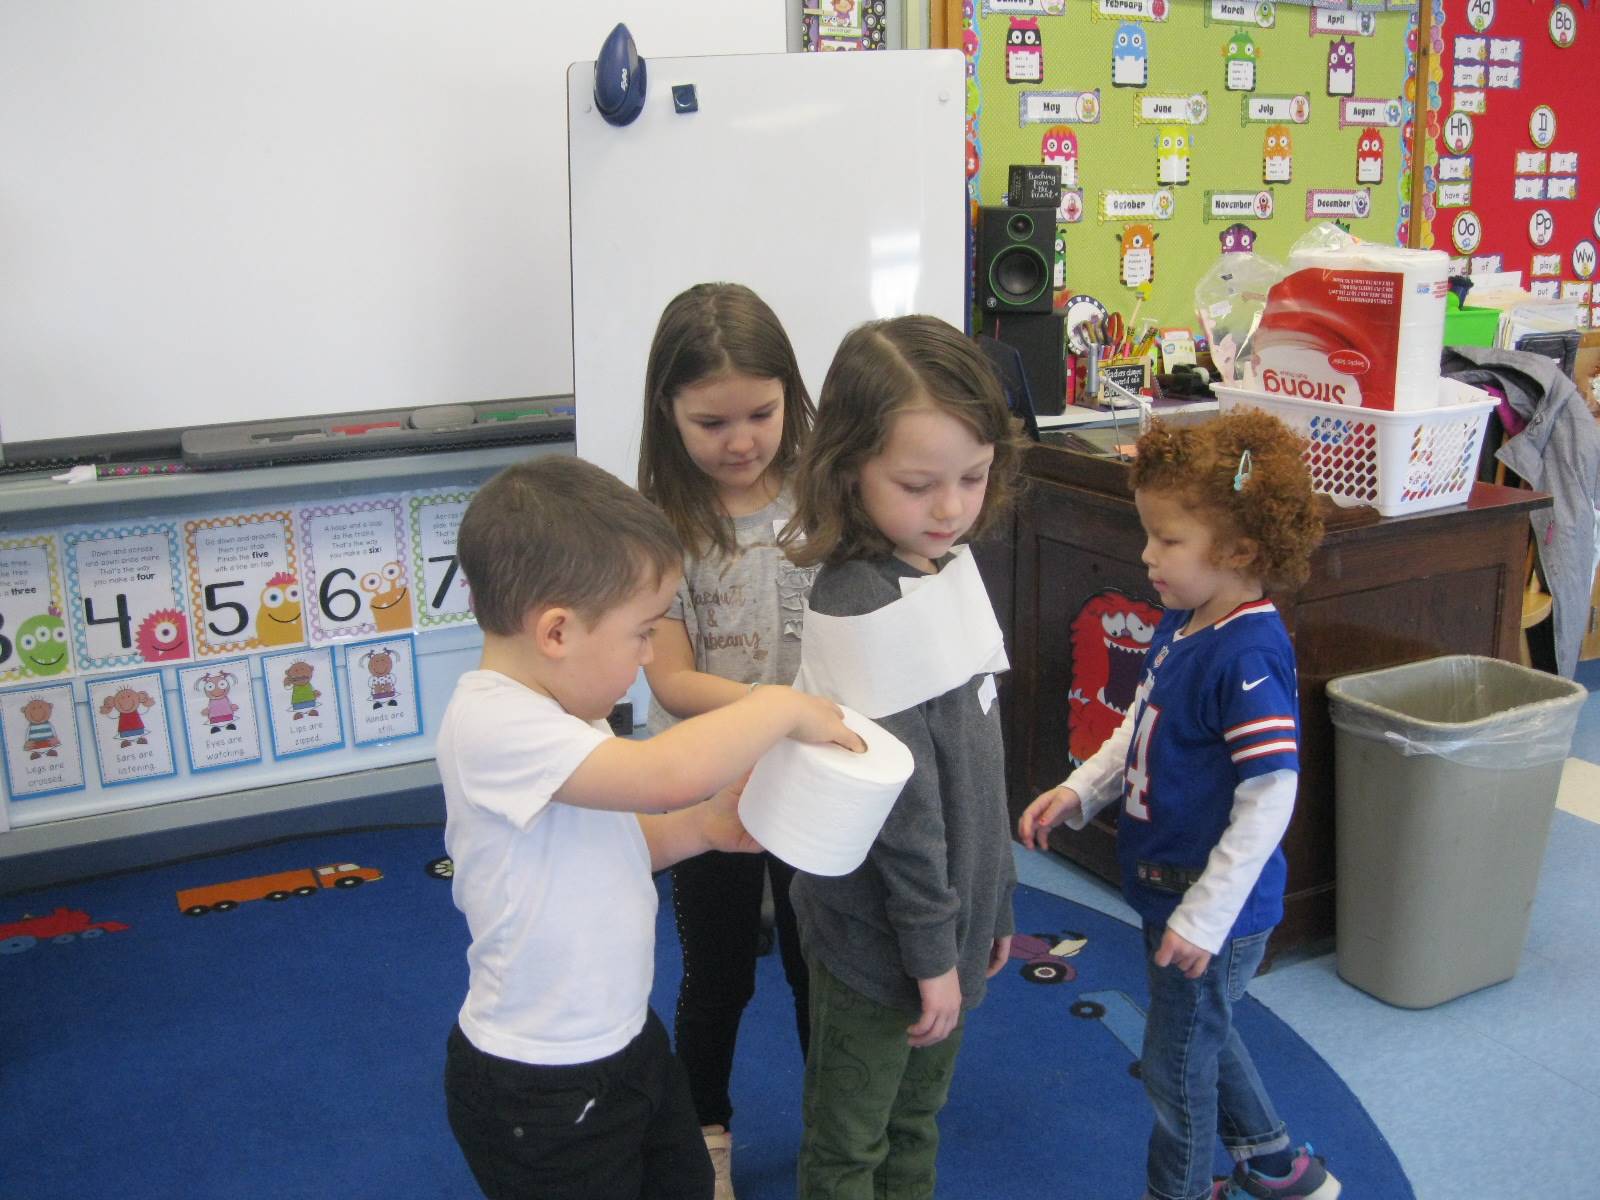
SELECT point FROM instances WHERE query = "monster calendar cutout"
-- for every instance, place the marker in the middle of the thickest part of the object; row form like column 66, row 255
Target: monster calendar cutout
column 1277, row 155
column 1110, row 635
column 1173, row 144
column 1240, row 54
column 1369, row 156
column 1024, row 51
column 1130, row 57
column 1138, row 254
column 1342, row 68
column 1059, row 147
column 1237, row 238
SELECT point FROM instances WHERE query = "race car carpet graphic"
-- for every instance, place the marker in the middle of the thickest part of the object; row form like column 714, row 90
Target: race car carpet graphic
column 271, row 1023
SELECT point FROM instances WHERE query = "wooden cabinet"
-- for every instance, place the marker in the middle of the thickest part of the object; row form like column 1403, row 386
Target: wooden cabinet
column 1381, row 592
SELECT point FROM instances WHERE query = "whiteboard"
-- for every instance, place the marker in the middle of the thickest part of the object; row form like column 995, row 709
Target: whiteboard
column 225, row 210
column 832, row 184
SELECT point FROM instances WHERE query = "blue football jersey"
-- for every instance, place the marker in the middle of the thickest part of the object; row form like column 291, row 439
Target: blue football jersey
column 1214, row 708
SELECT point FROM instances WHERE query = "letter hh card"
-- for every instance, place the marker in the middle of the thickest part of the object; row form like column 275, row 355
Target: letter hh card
column 219, row 714
column 382, row 678
column 302, row 702
column 125, row 596
column 441, row 594
column 356, row 556
column 244, row 584
column 34, row 642
column 39, row 733
column 132, row 738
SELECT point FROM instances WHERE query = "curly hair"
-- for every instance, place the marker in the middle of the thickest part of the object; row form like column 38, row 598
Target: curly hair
column 881, row 369
column 1275, row 508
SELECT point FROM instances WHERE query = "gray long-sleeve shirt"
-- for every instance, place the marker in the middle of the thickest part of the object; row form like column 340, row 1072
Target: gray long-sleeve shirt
column 935, row 890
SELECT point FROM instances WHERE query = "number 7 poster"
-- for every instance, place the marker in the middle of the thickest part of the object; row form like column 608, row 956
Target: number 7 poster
column 125, row 596
column 244, row 586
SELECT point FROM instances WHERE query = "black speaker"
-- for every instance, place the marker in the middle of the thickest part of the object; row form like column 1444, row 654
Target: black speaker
column 1016, row 259
column 1040, row 339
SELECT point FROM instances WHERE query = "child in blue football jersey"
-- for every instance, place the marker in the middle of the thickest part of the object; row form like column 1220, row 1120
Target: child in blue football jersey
column 1205, row 765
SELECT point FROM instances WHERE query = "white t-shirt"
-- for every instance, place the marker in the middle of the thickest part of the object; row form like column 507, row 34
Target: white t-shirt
column 558, row 898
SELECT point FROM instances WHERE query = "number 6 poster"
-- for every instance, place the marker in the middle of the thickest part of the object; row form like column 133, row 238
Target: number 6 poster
column 125, row 596
column 244, row 586
column 356, row 575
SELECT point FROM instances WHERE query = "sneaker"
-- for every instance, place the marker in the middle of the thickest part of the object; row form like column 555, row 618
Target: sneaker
column 1308, row 1179
column 719, row 1145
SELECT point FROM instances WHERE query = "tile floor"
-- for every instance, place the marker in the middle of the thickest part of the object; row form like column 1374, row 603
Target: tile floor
column 1496, row 1093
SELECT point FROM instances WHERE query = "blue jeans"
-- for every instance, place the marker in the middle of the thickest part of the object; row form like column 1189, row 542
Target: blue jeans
column 1198, row 1073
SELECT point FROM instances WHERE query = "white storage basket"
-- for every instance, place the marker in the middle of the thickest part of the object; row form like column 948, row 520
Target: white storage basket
column 1398, row 462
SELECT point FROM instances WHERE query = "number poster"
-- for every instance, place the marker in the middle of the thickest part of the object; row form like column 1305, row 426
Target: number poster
column 125, row 597
column 357, row 579
column 34, row 642
column 243, row 584
column 442, row 597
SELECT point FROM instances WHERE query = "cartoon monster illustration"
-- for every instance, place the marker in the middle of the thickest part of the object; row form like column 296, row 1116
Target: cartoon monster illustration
column 1024, row 51
column 219, row 709
column 1277, row 155
column 1369, row 156
column 387, row 596
column 41, row 737
column 1130, row 57
column 1240, row 53
column 1342, row 68
column 381, row 688
column 1058, row 279
column 42, row 643
column 278, row 618
column 163, row 635
column 302, row 696
column 1059, row 145
column 1110, row 635
column 1172, row 153
column 1138, row 254
column 1238, row 238
column 126, row 703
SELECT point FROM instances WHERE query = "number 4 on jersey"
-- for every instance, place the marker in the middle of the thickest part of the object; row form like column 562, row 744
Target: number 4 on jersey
column 1137, row 776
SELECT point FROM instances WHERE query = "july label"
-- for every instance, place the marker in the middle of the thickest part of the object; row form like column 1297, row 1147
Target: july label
column 34, row 642
column 1276, row 109
column 244, row 583
column 132, row 738
column 219, row 714
column 382, row 679
column 124, row 596
column 442, row 598
column 357, row 572
column 39, row 728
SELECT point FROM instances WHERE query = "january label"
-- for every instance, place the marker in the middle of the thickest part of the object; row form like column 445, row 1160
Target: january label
column 382, row 686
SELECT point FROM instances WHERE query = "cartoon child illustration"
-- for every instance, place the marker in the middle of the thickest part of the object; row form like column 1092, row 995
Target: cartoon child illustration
column 381, row 687
column 302, row 696
column 163, row 635
column 219, row 709
column 41, row 738
column 278, row 620
column 42, row 643
column 386, row 596
column 126, row 703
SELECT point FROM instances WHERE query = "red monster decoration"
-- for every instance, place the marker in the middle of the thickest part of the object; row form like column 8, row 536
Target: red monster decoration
column 1110, row 635
column 163, row 635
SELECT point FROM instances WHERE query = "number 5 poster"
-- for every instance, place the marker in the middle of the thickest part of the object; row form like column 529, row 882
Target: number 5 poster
column 356, row 575
column 244, row 586
column 33, row 628
column 125, row 596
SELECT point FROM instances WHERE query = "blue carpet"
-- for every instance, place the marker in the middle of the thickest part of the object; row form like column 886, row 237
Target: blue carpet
column 293, row 1049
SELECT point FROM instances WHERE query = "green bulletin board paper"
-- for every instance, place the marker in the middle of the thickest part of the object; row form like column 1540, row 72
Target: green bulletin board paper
column 1072, row 79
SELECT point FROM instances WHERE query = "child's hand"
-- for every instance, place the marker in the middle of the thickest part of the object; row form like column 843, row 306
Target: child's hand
column 720, row 824
column 941, row 1009
column 1047, row 811
column 1179, row 952
column 820, row 720
column 999, row 955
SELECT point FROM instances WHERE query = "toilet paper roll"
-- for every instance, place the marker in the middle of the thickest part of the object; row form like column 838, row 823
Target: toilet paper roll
column 819, row 808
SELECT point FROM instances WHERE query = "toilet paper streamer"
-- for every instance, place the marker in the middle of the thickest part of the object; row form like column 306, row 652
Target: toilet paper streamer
column 819, row 808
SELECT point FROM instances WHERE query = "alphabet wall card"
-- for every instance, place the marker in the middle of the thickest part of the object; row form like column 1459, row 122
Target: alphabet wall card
column 244, row 583
column 357, row 577
column 442, row 598
column 34, row 642
column 219, row 714
column 39, row 734
column 382, row 677
column 302, row 702
column 125, row 596
column 132, row 737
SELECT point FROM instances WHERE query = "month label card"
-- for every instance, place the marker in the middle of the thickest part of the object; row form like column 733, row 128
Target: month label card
column 384, row 700
column 125, row 596
column 357, row 573
column 442, row 597
column 219, row 714
column 39, row 733
column 244, row 586
column 34, row 642
column 302, row 701
column 132, row 738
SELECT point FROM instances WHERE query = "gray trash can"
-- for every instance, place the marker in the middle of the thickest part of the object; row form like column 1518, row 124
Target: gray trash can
column 1446, row 774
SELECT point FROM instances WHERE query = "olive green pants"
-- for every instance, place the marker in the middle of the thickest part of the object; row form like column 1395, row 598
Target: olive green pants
column 871, row 1102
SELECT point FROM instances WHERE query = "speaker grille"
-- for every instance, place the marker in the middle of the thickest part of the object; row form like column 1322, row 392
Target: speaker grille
column 1018, row 275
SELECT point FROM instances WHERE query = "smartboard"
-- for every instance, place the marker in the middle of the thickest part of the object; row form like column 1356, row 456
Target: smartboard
column 832, row 184
column 227, row 210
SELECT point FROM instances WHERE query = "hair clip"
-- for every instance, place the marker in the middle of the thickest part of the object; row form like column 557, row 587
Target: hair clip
column 1242, row 475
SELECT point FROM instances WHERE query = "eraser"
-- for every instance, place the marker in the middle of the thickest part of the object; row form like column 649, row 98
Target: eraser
column 443, row 416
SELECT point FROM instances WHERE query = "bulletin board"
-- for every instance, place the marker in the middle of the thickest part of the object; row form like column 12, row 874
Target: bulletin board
column 1509, row 181
column 1186, row 127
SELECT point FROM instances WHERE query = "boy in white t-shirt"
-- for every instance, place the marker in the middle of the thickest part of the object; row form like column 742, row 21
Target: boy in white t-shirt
column 559, row 1080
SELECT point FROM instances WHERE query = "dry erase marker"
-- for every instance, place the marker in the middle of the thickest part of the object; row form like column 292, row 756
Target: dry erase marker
column 126, row 470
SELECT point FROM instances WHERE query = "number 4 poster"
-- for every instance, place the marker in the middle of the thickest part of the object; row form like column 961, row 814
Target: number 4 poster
column 125, row 596
column 356, row 574
column 244, row 586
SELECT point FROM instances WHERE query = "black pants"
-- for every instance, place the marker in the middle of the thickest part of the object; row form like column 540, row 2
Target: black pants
column 717, row 900
column 619, row 1128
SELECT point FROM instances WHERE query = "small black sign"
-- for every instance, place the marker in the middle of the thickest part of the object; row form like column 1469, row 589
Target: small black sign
column 1034, row 186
